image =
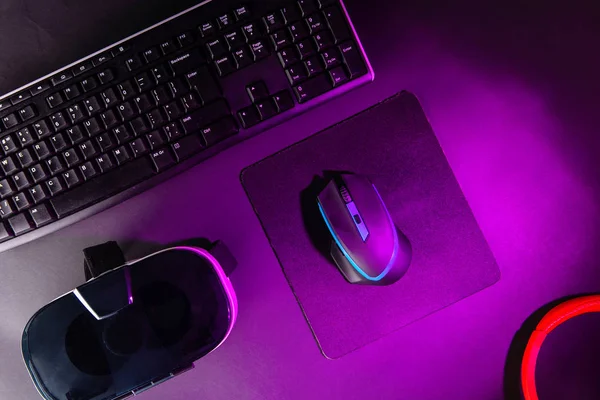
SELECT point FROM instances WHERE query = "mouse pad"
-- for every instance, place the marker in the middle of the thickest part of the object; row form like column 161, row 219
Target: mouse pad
column 393, row 145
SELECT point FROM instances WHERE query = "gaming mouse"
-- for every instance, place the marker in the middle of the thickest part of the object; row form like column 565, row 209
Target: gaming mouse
column 366, row 245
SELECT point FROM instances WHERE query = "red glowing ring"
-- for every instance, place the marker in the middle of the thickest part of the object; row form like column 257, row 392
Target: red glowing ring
column 556, row 316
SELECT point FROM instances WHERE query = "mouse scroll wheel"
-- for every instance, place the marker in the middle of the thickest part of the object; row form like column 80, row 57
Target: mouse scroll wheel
column 345, row 194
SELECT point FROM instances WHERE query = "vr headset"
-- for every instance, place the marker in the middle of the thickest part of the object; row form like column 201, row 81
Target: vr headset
column 131, row 327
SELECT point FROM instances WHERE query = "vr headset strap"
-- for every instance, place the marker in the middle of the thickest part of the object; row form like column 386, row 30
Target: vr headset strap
column 102, row 258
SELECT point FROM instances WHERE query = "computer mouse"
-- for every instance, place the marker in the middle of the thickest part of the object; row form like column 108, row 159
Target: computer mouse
column 366, row 245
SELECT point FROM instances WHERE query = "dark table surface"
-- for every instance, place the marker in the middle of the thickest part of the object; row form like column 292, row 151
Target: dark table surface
column 512, row 91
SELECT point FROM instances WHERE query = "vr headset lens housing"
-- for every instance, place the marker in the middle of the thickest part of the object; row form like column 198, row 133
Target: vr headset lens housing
column 129, row 327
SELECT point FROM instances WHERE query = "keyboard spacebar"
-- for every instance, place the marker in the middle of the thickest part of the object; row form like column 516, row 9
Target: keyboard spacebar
column 102, row 187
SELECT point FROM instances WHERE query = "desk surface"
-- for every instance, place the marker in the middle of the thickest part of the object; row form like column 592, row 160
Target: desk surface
column 512, row 92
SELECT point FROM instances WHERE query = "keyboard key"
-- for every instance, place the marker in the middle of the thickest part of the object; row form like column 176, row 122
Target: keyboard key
column 312, row 88
column 144, row 81
column 352, row 59
column 121, row 155
column 266, row 109
column 101, row 59
column 241, row 13
column 259, row 49
column 162, row 159
column 316, row 23
column 331, row 58
column 88, row 171
column 337, row 24
column 4, row 234
column 92, row 105
column 288, row 57
column 173, row 110
column 144, row 102
column 172, row 131
column 76, row 113
column 219, row 130
column 38, row 88
column 296, row 73
column 178, row 86
column 242, row 57
column 20, row 224
column 205, row 116
column 24, row 157
column 187, row 147
column 168, row 47
column 54, row 165
column 280, row 39
column 274, row 21
column 40, row 215
column 81, row 68
column 207, row 29
column 338, row 76
column 9, row 144
column 87, row 150
column 92, row 126
column 71, row 92
column 225, row 21
column 8, row 165
column 5, row 188
column 122, row 134
column 323, row 40
column 162, row 95
column 104, row 162
column 313, row 66
column 71, row 157
column 251, row 31
column 58, row 121
column 257, row 91
column 160, row 74
column 20, row 180
column 185, row 39
column 102, row 187
column 308, row 6
column 120, row 49
column 89, row 83
column 156, row 118
column 109, row 97
column 75, row 134
column 249, row 116
column 126, row 110
column 139, row 126
column 216, row 48
column 54, row 100
column 133, row 63
column 70, row 178
column 203, row 82
column 224, row 66
column 138, row 147
column 37, row 194
column 152, row 54
column 60, row 78
column 291, row 13
column 191, row 102
column 16, row 99
column 58, row 142
column 109, row 119
column 25, row 137
column 325, row 3
column 105, row 76
column 155, row 139
column 234, row 39
column 4, row 104
column 54, row 186
column 105, row 141
column 27, row 113
column 298, row 30
column 305, row 48
column 9, row 121
column 41, row 128
column 187, row 61
column 21, row 202
column 37, row 173
column 126, row 90
column 6, row 209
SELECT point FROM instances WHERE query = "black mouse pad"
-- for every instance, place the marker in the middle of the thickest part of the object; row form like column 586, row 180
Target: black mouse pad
column 393, row 145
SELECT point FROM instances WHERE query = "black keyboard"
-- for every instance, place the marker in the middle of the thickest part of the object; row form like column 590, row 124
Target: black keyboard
column 144, row 109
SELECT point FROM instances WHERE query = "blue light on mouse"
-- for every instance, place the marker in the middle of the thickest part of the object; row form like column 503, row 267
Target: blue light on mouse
column 364, row 235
